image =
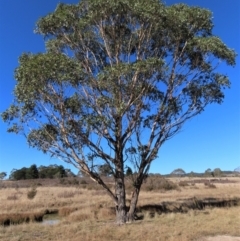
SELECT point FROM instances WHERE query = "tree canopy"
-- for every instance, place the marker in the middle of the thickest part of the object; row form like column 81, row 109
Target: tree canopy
column 217, row 172
column 178, row 172
column 2, row 175
column 118, row 79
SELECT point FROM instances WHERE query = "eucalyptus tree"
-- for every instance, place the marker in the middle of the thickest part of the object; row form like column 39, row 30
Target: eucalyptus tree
column 2, row 175
column 178, row 172
column 117, row 80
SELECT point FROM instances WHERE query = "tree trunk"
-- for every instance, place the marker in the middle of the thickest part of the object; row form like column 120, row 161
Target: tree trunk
column 121, row 216
column 133, row 205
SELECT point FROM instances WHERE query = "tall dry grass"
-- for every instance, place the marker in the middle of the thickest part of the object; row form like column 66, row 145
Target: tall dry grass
column 173, row 226
column 89, row 214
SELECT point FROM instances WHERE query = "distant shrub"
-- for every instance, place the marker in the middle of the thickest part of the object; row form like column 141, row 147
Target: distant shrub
column 209, row 185
column 32, row 193
column 2, row 185
column 68, row 181
column 83, row 182
column 168, row 185
column 62, row 181
column 159, row 183
column 183, row 184
column 75, row 182
column 149, row 188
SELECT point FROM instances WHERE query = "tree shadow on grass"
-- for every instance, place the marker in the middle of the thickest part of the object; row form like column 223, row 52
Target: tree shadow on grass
column 184, row 205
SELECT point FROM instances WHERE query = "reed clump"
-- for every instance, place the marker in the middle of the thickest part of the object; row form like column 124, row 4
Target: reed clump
column 32, row 192
column 19, row 218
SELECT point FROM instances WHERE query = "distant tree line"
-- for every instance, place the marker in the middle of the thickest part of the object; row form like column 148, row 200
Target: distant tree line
column 34, row 172
column 217, row 172
column 55, row 171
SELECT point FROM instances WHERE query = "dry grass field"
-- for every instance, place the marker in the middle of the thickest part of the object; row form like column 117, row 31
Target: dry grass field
column 85, row 212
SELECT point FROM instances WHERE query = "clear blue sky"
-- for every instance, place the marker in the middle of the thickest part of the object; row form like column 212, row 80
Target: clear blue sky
column 210, row 140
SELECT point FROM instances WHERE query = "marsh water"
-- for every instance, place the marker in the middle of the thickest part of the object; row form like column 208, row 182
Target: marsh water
column 50, row 219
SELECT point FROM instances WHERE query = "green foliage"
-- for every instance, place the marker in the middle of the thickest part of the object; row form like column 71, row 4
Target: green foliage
column 129, row 171
column 105, row 170
column 32, row 172
column 217, row 172
column 208, row 172
column 18, row 174
column 52, row 171
column 2, row 175
column 178, row 172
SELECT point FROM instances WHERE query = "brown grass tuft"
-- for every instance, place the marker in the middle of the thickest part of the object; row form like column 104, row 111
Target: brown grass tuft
column 209, row 185
column 65, row 211
column 66, row 194
column 183, row 184
column 12, row 197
